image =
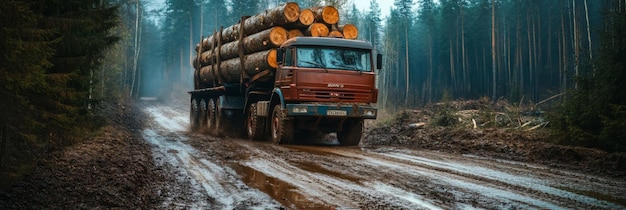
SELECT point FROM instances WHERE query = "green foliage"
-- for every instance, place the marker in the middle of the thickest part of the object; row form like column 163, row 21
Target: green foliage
column 594, row 114
column 49, row 51
column 446, row 113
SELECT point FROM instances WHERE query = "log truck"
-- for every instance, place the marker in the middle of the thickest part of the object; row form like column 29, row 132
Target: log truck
column 252, row 78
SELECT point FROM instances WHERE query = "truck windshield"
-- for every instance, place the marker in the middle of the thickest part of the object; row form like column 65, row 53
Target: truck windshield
column 334, row 58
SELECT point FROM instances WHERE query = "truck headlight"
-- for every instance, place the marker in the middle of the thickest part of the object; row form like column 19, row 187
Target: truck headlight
column 301, row 109
column 369, row 112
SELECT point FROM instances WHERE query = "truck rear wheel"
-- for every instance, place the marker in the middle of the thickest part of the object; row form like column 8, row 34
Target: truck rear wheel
column 219, row 119
column 254, row 124
column 202, row 114
column 194, row 123
column 282, row 127
column 350, row 134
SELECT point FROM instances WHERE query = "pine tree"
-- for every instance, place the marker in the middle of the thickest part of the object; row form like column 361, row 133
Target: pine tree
column 373, row 24
column 83, row 31
column 404, row 8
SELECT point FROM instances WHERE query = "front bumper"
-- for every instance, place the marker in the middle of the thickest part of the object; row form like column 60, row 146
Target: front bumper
column 332, row 110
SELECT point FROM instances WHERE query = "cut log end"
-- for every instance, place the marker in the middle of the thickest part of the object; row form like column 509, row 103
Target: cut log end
column 306, row 17
column 317, row 30
column 294, row 33
column 291, row 12
column 349, row 31
column 271, row 58
column 335, row 34
column 329, row 15
column 278, row 35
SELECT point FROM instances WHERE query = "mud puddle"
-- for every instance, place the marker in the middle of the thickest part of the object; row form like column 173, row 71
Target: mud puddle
column 282, row 191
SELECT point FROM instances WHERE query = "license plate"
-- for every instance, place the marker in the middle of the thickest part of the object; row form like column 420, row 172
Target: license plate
column 336, row 113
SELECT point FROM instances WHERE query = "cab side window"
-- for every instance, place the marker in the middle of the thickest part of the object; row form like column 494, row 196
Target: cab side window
column 289, row 57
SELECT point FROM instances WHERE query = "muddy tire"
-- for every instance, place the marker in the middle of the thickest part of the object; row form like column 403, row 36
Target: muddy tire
column 254, row 124
column 282, row 127
column 211, row 116
column 194, row 112
column 202, row 114
column 350, row 134
column 218, row 129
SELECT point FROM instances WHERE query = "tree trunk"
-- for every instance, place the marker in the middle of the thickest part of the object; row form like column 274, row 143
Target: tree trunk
column 563, row 73
column 465, row 82
column 230, row 70
column 265, row 40
column 137, row 50
column 588, row 34
column 576, row 43
column 279, row 16
column 406, row 56
column 493, row 48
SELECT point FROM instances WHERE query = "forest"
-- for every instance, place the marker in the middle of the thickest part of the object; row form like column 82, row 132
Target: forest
column 61, row 60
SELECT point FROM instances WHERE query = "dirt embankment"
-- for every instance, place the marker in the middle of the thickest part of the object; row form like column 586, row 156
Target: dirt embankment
column 114, row 169
column 500, row 130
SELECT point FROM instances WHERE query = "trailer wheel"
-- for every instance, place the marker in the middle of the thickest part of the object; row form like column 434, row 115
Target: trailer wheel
column 350, row 134
column 254, row 124
column 202, row 114
column 211, row 116
column 219, row 119
column 282, row 127
column 193, row 115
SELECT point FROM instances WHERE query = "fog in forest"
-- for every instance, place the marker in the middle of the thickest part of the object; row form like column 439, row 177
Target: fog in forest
column 433, row 50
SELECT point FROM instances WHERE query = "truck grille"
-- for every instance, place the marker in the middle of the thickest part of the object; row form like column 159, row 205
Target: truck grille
column 334, row 95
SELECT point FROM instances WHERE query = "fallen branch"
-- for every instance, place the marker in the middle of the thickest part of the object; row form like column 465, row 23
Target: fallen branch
column 551, row 97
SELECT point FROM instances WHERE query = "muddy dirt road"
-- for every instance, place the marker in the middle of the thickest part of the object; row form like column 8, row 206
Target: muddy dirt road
column 230, row 173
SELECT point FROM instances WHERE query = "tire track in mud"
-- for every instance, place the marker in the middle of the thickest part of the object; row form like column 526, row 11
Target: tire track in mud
column 447, row 181
column 210, row 185
column 323, row 189
column 328, row 177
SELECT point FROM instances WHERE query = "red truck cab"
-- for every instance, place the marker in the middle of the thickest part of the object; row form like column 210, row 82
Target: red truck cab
column 323, row 84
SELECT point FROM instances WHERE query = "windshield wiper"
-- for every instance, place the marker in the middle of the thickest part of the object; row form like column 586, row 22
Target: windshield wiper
column 315, row 64
column 348, row 67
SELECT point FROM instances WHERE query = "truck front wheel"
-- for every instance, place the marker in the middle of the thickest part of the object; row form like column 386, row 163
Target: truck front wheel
column 194, row 111
column 254, row 124
column 282, row 127
column 350, row 134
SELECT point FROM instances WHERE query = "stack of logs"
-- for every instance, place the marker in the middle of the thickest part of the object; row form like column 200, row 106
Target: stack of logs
column 246, row 51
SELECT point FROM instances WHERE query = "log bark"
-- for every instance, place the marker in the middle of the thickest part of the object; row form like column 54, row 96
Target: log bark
column 279, row 16
column 265, row 40
column 317, row 30
column 230, row 70
column 326, row 14
column 294, row 33
column 349, row 31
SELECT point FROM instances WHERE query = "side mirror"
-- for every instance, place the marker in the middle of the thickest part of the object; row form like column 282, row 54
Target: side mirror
column 379, row 61
column 280, row 55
